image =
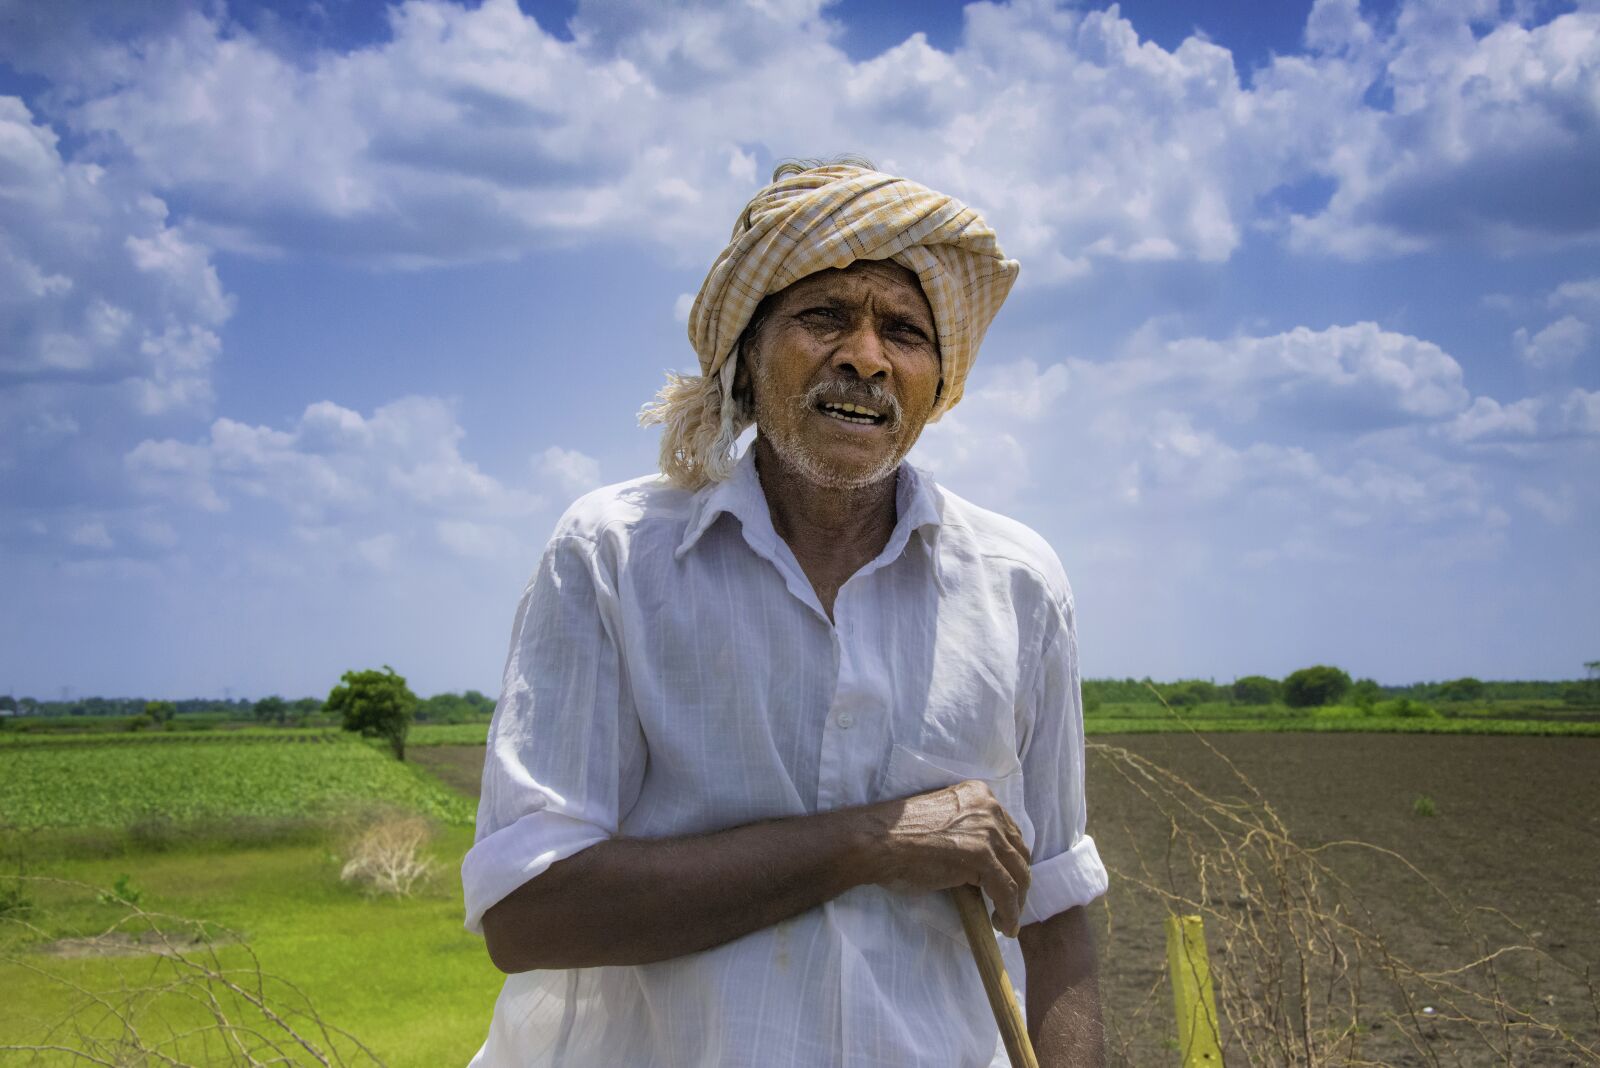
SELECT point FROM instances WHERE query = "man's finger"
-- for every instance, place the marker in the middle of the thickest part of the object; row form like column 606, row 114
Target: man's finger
column 1003, row 891
column 1016, row 865
column 1015, row 834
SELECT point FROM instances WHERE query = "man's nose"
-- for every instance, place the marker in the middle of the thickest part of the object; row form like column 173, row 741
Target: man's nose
column 861, row 353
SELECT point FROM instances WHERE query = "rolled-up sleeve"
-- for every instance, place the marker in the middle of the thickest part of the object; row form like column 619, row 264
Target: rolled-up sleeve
column 565, row 756
column 1067, row 870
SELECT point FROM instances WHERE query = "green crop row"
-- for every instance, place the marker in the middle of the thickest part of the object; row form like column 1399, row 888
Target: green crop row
column 242, row 736
column 122, row 785
column 448, row 734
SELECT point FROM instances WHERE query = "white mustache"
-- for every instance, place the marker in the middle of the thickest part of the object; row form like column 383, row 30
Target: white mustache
column 867, row 394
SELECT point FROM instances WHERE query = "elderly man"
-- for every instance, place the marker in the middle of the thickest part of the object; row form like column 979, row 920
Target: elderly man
column 761, row 713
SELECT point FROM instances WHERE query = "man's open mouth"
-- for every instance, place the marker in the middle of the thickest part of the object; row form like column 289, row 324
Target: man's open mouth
column 852, row 413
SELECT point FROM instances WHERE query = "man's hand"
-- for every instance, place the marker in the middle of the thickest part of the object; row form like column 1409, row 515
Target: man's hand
column 957, row 836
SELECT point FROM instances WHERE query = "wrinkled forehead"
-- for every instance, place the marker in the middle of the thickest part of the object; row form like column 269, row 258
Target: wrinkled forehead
column 888, row 285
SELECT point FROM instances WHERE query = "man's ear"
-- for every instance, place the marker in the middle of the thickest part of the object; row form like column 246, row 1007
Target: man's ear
column 741, row 370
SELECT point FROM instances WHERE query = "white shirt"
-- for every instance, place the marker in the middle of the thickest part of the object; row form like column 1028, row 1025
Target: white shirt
column 672, row 672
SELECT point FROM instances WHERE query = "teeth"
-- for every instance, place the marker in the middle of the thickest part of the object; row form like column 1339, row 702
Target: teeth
column 853, row 409
column 833, row 411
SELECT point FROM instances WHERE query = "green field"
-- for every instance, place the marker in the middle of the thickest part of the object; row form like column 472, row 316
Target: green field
column 119, row 784
column 1152, row 718
column 448, row 734
column 400, row 974
column 247, row 828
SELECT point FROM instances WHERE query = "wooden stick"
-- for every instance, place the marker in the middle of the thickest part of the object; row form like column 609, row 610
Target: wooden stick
column 1002, row 998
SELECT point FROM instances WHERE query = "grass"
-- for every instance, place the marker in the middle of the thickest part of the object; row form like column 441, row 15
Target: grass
column 116, row 785
column 401, row 974
column 448, row 734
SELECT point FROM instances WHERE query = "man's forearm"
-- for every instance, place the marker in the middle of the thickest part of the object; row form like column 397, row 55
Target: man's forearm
column 638, row 900
column 1063, row 991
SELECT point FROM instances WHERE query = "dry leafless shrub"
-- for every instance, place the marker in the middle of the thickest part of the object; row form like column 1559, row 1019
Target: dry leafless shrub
column 191, row 995
column 1303, row 971
column 386, row 855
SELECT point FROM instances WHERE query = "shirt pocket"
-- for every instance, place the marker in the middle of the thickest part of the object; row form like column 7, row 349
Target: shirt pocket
column 909, row 772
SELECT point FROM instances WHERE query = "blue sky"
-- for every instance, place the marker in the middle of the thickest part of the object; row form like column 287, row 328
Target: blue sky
column 314, row 318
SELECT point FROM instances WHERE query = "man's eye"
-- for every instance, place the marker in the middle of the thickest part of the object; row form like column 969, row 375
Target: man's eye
column 821, row 315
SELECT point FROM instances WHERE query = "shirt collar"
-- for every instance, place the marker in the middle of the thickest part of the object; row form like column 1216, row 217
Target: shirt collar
column 917, row 508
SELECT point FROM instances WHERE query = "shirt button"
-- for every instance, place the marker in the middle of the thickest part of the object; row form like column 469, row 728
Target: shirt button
column 846, row 720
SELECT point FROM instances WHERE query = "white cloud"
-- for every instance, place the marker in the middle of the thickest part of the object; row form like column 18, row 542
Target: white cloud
column 1305, row 445
column 1578, row 293
column 479, row 541
column 682, row 307
column 104, row 304
column 472, row 133
column 1556, row 345
column 1159, row 417
column 1356, row 375
column 570, row 470
column 1554, row 506
column 1491, row 135
column 338, row 475
column 1573, row 414
column 985, row 432
column 378, row 551
column 91, row 535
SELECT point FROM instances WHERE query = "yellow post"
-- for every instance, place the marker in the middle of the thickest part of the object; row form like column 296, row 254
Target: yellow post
column 1198, row 1036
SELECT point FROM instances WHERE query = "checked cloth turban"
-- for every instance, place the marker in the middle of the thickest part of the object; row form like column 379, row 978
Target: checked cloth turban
column 830, row 217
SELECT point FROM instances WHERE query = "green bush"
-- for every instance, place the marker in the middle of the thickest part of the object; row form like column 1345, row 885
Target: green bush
column 1582, row 694
column 272, row 709
column 1406, row 708
column 1365, row 693
column 1257, row 690
column 1187, row 693
column 1315, row 686
column 1462, row 689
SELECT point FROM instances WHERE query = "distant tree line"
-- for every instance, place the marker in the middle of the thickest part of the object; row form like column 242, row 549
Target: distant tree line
column 272, row 710
column 234, row 708
column 1322, row 684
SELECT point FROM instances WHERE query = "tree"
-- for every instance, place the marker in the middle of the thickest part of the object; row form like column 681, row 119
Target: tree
column 379, row 704
column 1462, row 689
column 1256, row 690
column 1186, row 693
column 445, row 708
column 160, row 711
column 483, row 706
column 303, row 709
column 1315, row 686
column 1366, row 693
column 272, row 709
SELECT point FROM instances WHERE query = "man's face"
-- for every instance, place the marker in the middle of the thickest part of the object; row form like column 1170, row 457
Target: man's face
column 845, row 372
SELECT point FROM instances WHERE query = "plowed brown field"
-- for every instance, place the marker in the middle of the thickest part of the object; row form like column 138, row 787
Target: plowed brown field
column 1514, row 845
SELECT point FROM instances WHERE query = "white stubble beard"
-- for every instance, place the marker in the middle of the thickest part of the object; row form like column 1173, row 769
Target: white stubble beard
column 792, row 450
